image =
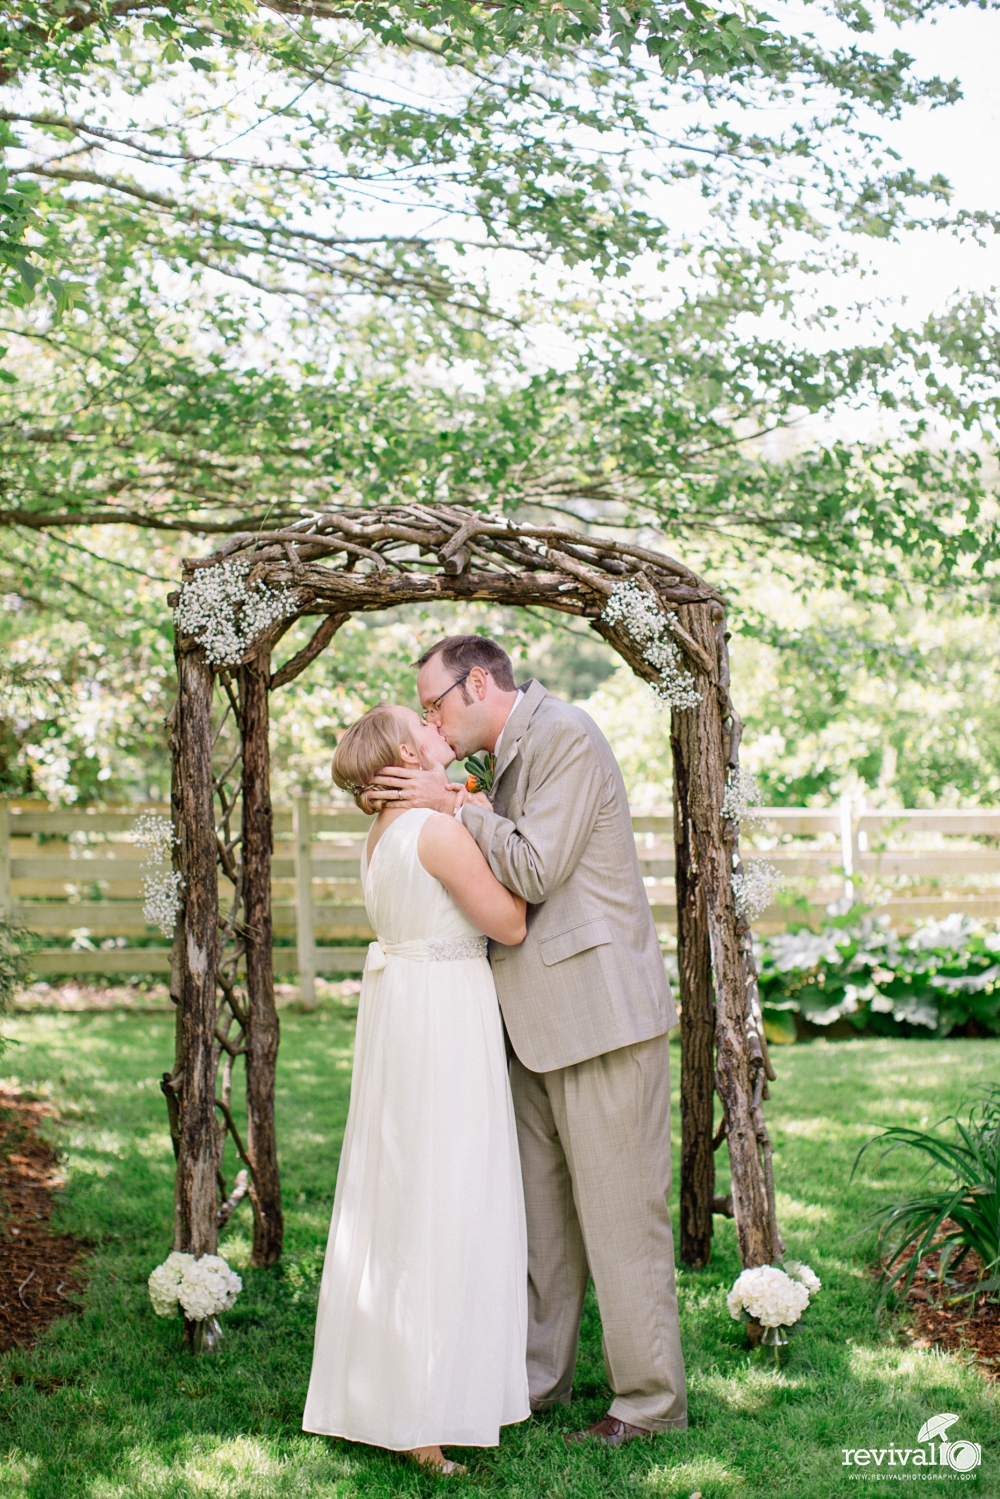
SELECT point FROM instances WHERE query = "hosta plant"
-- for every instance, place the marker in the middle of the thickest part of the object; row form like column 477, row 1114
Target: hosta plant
column 957, row 1212
column 942, row 977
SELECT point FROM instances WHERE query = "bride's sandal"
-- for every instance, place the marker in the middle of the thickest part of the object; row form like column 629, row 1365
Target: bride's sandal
column 445, row 1466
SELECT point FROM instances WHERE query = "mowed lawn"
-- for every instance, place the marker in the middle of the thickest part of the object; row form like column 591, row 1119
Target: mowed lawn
column 109, row 1405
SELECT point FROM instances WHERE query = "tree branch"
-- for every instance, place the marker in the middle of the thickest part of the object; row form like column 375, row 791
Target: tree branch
column 320, row 640
column 42, row 520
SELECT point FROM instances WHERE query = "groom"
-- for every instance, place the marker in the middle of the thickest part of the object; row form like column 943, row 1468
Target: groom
column 587, row 1008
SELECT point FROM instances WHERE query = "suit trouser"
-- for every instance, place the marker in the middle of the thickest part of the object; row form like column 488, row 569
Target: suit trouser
column 595, row 1154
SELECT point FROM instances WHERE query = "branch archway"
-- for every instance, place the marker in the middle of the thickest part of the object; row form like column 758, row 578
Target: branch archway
column 232, row 608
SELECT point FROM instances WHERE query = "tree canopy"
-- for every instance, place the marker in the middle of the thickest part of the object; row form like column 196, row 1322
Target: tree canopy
column 259, row 260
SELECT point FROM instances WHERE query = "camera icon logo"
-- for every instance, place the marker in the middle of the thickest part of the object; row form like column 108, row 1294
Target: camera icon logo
column 962, row 1455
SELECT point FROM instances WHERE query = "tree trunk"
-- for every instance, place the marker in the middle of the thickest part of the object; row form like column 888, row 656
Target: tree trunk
column 701, row 733
column 262, row 1016
column 171, row 1082
column 199, row 1137
column 697, row 1011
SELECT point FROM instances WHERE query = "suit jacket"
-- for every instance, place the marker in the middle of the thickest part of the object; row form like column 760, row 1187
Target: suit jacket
column 589, row 977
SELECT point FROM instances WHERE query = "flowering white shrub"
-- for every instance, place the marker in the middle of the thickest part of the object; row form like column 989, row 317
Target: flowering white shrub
column 161, row 888
column 741, row 798
column 224, row 615
column 202, row 1287
column 165, row 1283
column 755, row 888
column 632, row 607
column 773, row 1297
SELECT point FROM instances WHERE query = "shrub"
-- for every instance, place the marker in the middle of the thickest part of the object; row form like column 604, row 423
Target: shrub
column 966, row 1204
column 15, row 943
column 943, row 977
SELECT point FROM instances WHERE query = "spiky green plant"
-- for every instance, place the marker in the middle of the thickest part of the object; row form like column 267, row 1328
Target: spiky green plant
column 967, row 1200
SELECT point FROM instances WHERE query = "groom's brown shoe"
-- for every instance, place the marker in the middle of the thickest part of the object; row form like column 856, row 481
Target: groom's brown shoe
column 610, row 1433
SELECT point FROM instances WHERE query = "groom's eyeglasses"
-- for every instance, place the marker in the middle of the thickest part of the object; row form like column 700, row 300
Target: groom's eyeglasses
column 436, row 704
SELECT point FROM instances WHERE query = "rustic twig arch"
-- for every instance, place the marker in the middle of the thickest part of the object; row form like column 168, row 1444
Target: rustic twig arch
column 232, row 609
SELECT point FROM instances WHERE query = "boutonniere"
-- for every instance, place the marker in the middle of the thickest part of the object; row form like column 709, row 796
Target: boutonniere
column 482, row 769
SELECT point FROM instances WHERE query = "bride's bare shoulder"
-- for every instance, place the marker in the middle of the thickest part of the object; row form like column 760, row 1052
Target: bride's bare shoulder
column 442, row 837
column 442, row 828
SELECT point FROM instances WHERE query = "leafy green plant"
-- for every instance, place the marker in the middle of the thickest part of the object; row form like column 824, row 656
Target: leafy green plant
column 15, row 942
column 943, row 977
column 482, row 769
column 967, row 1201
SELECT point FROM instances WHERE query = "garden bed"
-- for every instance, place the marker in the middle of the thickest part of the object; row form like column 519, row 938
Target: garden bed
column 40, row 1272
column 969, row 1329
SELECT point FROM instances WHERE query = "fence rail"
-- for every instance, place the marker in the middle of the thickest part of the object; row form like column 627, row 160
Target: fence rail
column 77, row 875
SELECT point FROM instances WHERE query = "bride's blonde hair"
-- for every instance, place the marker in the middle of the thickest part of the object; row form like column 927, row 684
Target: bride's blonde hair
column 369, row 746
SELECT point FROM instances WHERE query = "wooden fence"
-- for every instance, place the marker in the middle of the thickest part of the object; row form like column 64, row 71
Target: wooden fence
column 76, row 875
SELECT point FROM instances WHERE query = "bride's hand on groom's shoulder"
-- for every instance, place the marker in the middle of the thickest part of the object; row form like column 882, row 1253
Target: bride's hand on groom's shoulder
column 405, row 786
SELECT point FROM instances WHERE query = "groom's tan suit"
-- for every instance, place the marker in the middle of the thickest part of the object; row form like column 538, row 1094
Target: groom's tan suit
column 587, row 1008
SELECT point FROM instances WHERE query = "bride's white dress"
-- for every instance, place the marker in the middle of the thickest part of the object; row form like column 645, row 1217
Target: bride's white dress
column 422, row 1324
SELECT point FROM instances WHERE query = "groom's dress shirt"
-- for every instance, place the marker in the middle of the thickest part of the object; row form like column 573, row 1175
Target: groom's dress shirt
column 589, row 977
column 514, row 707
column 496, row 747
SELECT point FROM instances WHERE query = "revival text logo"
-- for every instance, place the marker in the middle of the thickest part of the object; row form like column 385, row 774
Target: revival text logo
column 933, row 1451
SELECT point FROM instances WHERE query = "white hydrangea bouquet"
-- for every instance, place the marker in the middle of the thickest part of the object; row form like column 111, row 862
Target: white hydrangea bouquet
column 770, row 1300
column 202, row 1288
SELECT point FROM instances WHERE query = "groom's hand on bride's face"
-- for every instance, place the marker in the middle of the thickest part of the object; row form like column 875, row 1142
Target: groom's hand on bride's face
column 403, row 786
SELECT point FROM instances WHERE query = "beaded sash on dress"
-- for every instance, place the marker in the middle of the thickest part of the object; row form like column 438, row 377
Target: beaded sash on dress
column 447, row 949
column 433, row 950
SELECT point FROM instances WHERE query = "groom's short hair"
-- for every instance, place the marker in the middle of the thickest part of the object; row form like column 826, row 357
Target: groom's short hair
column 460, row 653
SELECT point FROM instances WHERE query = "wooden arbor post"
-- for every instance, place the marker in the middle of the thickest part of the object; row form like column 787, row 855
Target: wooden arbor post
column 194, row 1088
column 261, row 1031
column 209, row 952
column 717, row 979
column 377, row 558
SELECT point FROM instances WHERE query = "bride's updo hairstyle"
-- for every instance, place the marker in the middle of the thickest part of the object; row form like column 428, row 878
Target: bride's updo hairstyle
column 368, row 747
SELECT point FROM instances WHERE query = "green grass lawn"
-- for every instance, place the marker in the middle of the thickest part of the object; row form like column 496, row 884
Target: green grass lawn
column 108, row 1405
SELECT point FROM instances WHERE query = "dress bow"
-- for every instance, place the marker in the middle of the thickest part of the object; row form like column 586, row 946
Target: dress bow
column 376, row 958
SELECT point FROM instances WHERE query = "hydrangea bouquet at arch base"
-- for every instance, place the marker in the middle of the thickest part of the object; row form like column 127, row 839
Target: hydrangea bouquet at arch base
column 770, row 1300
column 202, row 1288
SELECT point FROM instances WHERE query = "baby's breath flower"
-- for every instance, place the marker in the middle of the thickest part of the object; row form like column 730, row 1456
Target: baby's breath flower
column 755, row 888
column 741, row 798
column 224, row 615
column 161, row 888
column 634, row 609
column 155, row 833
column 161, row 904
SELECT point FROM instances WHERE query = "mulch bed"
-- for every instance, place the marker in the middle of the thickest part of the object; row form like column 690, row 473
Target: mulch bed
column 40, row 1273
column 971, row 1329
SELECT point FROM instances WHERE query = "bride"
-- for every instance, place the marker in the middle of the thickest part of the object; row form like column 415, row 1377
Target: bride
column 422, row 1322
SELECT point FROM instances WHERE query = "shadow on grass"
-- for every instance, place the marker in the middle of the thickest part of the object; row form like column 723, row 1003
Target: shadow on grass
column 108, row 1405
